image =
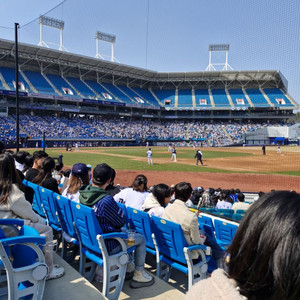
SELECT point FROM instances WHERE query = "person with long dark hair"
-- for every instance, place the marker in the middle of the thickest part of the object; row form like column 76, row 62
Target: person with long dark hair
column 157, row 200
column 44, row 177
column 135, row 195
column 264, row 255
column 14, row 205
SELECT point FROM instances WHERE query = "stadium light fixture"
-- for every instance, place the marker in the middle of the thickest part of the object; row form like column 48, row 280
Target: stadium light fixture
column 54, row 23
column 105, row 37
column 218, row 48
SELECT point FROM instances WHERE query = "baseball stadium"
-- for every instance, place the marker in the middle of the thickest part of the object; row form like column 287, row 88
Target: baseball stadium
column 100, row 113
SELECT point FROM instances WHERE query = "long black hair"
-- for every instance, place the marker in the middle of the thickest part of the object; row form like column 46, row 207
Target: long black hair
column 265, row 252
column 48, row 166
column 8, row 176
column 160, row 192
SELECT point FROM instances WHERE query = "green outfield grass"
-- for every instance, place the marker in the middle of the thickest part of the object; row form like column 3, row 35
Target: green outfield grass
column 130, row 163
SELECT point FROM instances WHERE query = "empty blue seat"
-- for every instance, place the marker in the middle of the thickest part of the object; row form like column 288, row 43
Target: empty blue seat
column 225, row 231
column 23, row 260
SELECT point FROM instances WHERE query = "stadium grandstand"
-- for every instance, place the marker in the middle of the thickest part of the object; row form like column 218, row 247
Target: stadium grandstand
column 78, row 98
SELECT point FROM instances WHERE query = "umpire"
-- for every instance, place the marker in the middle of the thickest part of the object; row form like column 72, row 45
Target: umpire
column 199, row 157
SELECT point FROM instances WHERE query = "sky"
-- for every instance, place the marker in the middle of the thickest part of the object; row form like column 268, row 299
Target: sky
column 170, row 35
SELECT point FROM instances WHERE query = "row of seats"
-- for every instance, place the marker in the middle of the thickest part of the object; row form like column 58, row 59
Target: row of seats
column 228, row 213
column 76, row 88
column 220, row 98
column 61, row 214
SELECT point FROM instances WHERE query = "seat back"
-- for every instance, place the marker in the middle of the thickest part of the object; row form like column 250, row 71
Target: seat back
column 37, row 202
column 49, row 206
column 238, row 217
column 205, row 220
column 225, row 231
column 142, row 224
column 65, row 216
column 87, row 226
column 169, row 238
column 124, row 209
column 226, row 212
column 240, row 211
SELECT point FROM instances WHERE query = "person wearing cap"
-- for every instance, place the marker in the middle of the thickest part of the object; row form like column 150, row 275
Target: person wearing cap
column 79, row 177
column 111, row 219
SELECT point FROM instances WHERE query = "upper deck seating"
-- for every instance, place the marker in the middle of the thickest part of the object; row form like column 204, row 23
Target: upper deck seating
column 39, row 82
column 10, row 77
column 146, row 95
column 135, row 97
column 62, row 86
column 113, row 89
column 277, row 97
column 103, row 93
column 220, row 97
column 202, row 98
column 257, row 97
column 238, row 97
column 166, row 96
column 81, row 87
column 185, row 98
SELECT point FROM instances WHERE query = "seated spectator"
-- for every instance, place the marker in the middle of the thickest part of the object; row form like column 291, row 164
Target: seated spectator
column 28, row 162
column 38, row 157
column 57, row 173
column 240, row 204
column 135, row 195
column 263, row 256
column 206, row 199
column 44, row 177
column 14, row 205
column 79, row 177
column 20, row 160
column 179, row 213
column 157, row 200
column 225, row 202
column 195, row 197
column 111, row 189
column 111, row 219
column 65, row 179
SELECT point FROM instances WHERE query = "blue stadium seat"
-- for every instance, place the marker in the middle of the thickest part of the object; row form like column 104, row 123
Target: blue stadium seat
column 40, row 83
column 64, row 213
column 165, row 95
column 135, row 97
column 81, row 87
column 202, row 98
column 37, row 204
column 115, row 91
column 277, row 97
column 146, row 95
column 142, row 224
column 94, row 251
column 225, row 231
column 61, row 84
column 220, row 98
column 10, row 77
column 185, row 98
column 238, row 97
column 23, row 261
column 257, row 98
column 173, row 252
column 205, row 220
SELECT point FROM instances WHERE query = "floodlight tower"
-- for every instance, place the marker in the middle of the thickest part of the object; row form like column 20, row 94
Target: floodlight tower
column 54, row 23
column 105, row 37
column 218, row 48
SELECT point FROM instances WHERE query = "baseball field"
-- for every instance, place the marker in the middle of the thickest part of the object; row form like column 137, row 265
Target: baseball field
column 238, row 167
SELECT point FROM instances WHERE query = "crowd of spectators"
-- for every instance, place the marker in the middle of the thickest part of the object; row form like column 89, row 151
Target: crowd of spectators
column 215, row 133
column 255, row 254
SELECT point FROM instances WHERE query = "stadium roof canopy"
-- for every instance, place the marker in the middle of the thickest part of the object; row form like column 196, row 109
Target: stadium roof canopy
column 54, row 61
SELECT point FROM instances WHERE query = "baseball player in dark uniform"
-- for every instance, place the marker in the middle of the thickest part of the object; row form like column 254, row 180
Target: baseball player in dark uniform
column 199, row 157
